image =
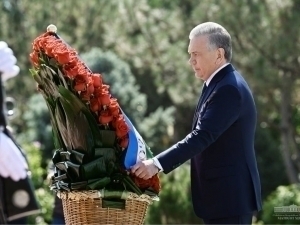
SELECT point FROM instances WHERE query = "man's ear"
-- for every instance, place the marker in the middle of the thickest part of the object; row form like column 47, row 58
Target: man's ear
column 220, row 55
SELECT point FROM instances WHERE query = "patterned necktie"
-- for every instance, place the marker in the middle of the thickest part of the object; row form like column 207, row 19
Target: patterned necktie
column 204, row 87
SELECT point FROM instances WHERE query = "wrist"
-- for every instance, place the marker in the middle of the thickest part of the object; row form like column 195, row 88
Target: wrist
column 157, row 164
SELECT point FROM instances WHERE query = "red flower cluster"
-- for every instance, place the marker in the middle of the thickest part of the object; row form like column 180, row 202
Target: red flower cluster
column 88, row 85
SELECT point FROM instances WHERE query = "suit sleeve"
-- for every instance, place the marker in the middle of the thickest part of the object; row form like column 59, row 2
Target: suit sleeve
column 220, row 111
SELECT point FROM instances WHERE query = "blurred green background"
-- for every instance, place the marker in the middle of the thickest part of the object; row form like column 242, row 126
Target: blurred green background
column 140, row 47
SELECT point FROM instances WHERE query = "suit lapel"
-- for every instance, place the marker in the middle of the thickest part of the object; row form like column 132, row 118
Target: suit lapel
column 219, row 76
column 198, row 108
column 200, row 102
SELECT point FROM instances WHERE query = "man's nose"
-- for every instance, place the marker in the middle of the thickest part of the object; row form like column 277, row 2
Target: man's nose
column 192, row 61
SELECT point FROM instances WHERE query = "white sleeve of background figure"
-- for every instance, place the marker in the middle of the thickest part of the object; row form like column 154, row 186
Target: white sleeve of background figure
column 12, row 162
column 8, row 67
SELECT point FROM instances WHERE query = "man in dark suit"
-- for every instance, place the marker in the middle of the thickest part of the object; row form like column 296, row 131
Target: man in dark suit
column 224, row 177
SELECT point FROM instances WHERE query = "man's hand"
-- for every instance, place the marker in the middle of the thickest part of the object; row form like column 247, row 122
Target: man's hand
column 7, row 62
column 145, row 169
column 12, row 162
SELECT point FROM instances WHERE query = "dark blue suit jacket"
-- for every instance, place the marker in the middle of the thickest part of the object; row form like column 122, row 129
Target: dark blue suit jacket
column 224, row 176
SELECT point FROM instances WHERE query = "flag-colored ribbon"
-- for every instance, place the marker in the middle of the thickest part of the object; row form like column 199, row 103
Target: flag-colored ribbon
column 137, row 149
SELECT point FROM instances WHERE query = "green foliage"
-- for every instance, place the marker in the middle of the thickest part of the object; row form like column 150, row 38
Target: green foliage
column 175, row 206
column 282, row 196
column 37, row 126
column 158, row 128
column 44, row 196
column 267, row 152
column 46, row 200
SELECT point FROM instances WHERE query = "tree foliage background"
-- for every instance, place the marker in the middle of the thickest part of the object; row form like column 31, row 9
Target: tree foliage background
column 141, row 49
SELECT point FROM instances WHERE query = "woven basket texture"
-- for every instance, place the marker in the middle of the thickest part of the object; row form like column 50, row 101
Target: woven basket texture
column 85, row 207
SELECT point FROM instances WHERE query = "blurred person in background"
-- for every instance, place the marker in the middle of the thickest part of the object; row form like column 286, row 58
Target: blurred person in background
column 17, row 198
column 225, row 181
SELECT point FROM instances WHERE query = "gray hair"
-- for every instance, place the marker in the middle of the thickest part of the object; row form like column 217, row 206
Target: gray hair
column 217, row 35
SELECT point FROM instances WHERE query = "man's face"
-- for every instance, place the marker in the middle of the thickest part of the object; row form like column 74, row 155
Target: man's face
column 202, row 59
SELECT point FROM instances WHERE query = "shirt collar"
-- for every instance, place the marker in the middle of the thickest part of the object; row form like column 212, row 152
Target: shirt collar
column 214, row 73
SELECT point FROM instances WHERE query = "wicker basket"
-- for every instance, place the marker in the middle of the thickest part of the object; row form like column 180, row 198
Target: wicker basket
column 85, row 207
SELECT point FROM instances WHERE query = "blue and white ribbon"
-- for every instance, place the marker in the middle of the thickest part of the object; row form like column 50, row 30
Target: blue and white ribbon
column 136, row 150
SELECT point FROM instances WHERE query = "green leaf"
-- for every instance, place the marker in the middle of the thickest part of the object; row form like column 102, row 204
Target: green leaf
column 108, row 138
column 78, row 128
column 103, row 166
column 81, row 135
column 33, row 72
column 113, row 203
column 131, row 185
column 60, row 118
column 53, row 62
column 149, row 153
column 94, row 128
column 72, row 131
column 35, row 76
column 94, row 169
column 62, row 79
column 99, row 152
column 78, row 105
column 98, row 183
column 46, row 81
column 127, row 182
column 58, row 142
column 114, row 194
column 109, row 156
